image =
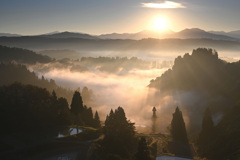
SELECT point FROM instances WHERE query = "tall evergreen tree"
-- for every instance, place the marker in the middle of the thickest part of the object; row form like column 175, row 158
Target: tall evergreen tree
column 88, row 116
column 143, row 152
column 54, row 96
column 206, row 133
column 119, row 134
column 64, row 115
column 109, row 117
column 97, row 120
column 154, row 118
column 77, row 106
column 54, row 107
column 207, row 122
column 178, row 129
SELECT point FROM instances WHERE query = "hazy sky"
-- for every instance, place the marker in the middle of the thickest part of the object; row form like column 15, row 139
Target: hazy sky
column 29, row 17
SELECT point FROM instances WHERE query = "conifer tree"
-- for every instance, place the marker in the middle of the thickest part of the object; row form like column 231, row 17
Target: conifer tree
column 119, row 134
column 77, row 106
column 54, row 96
column 207, row 122
column 87, row 116
column 64, row 115
column 109, row 117
column 143, row 152
column 97, row 120
column 154, row 118
column 206, row 133
column 178, row 129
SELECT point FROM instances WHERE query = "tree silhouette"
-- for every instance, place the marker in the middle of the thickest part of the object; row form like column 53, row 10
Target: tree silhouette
column 26, row 108
column 77, row 106
column 21, row 74
column 97, row 123
column 154, row 118
column 87, row 116
column 178, row 129
column 143, row 152
column 54, row 96
column 119, row 134
column 206, row 133
column 109, row 117
column 64, row 115
column 207, row 122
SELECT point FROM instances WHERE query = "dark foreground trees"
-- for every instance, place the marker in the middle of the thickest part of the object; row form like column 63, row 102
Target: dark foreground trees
column 143, row 152
column 179, row 144
column 120, row 141
column 178, row 129
column 26, row 108
column 206, row 133
column 77, row 106
column 83, row 114
column 222, row 141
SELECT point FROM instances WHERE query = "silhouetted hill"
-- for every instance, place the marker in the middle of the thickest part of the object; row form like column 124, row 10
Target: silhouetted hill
column 202, row 71
column 193, row 33
column 25, row 108
column 8, row 54
column 138, row 36
column 156, row 45
column 50, row 33
column 19, row 73
column 234, row 34
column 198, row 81
column 225, row 143
column 69, row 35
column 61, row 54
column 198, row 33
column 9, row 35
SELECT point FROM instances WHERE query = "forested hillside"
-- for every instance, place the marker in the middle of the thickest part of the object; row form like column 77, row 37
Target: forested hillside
column 202, row 71
column 219, row 83
column 19, row 73
column 8, row 54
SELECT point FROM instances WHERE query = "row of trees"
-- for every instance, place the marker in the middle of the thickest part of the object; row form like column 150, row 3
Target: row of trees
column 120, row 140
column 21, row 74
column 8, row 54
column 83, row 114
column 27, row 107
column 220, row 141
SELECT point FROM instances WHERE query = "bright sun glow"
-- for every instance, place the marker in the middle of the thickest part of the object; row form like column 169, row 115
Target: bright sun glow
column 160, row 24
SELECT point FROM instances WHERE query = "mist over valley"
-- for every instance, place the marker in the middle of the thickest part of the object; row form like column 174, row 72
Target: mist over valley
column 120, row 80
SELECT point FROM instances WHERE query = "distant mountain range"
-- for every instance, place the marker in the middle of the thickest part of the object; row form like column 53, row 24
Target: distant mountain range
column 69, row 35
column 146, row 42
column 137, row 36
column 9, row 35
column 234, row 34
column 193, row 33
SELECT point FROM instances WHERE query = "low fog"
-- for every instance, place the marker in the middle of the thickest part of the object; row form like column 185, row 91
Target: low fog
column 125, row 84
column 111, row 90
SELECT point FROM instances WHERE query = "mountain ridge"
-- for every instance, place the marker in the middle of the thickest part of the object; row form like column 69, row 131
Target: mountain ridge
column 188, row 33
column 183, row 34
column 234, row 34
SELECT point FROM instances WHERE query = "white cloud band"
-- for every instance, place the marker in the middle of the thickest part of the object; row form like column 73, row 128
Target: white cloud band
column 166, row 4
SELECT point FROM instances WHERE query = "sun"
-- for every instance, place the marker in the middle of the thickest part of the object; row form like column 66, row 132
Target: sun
column 160, row 24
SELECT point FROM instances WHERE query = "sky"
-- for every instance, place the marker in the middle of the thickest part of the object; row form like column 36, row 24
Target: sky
column 31, row 17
